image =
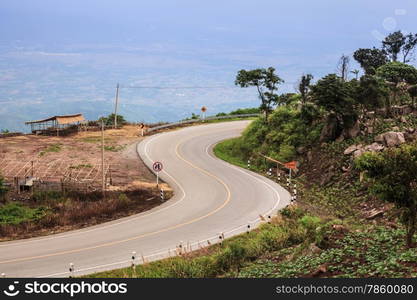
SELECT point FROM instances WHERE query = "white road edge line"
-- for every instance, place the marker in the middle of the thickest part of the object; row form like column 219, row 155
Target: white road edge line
column 201, row 241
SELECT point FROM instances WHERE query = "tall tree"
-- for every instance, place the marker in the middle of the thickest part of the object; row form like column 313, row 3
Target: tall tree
column 370, row 59
column 373, row 92
column 393, row 44
column 266, row 83
column 343, row 67
column 409, row 47
column 304, row 87
column 337, row 98
column 397, row 74
column 394, row 172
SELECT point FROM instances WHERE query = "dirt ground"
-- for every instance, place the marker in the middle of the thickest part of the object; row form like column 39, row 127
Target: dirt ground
column 82, row 150
column 132, row 188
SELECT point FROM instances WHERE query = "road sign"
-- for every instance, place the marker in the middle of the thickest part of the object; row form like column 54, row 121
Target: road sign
column 291, row 165
column 157, row 166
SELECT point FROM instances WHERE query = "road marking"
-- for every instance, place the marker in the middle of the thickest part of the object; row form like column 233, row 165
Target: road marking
column 166, row 229
column 142, row 235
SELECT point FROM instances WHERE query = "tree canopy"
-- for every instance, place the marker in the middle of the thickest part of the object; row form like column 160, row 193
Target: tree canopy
column 370, row 59
column 397, row 72
column 266, row 83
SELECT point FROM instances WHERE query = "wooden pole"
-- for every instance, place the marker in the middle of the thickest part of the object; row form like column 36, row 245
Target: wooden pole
column 103, row 178
column 115, row 106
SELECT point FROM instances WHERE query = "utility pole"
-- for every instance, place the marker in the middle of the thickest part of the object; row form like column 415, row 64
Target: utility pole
column 115, row 106
column 103, row 183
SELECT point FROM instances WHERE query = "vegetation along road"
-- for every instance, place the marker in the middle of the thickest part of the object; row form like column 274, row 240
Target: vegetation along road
column 211, row 198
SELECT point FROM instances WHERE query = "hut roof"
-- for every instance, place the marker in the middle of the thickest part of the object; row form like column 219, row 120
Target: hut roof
column 67, row 119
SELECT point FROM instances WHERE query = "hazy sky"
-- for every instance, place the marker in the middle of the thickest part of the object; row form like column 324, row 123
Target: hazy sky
column 56, row 54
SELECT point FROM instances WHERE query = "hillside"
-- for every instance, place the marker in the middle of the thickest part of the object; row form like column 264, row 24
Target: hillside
column 354, row 142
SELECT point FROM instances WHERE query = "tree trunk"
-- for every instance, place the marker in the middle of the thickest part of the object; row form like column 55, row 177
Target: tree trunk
column 411, row 228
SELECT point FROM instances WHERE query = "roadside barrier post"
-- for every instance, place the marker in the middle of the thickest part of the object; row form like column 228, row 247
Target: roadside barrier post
column 133, row 258
column 248, row 228
column 248, row 163
column 221, row 237
column 71, row 270
column 3, row 275
column 162, row 195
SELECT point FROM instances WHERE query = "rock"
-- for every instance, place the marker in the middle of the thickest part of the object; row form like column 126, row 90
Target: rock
column 392, row 138
column 411, row 130
column 374, row 147
column 374, row 213
column 379, row 138
column 314, row 249
column 358, row 153
column 338, row 227
column 370, row 130
column 345, row 169
column 321, row 269
column 349, row 150
column 395, row 128
column 403, row 120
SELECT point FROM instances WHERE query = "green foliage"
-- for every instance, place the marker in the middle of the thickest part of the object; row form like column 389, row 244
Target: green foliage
column 51, row 148
column 372, row 92
column 304, row 86
column 396, row 43
column 114, row 148
column 266, row 83
column 16, row 213
column 244, row 111
column 370, row 59
column 3, row 187
column 397, row 72
column 395, row 180
column 379, row 252
column 231, row 256
column 337, row 97
column 109, row 120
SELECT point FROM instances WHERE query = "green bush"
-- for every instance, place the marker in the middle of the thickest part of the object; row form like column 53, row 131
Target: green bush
column 16, row 213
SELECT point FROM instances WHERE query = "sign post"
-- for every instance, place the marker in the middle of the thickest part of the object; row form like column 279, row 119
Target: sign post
column 157, row 167
column 203, row 110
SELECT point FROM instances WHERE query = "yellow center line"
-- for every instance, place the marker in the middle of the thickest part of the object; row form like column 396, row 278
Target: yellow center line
column 146, row 234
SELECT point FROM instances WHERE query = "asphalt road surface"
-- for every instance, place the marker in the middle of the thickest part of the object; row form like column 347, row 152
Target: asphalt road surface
column 212, row 198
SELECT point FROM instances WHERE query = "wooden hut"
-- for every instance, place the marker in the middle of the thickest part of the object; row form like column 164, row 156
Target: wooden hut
column 57, row 125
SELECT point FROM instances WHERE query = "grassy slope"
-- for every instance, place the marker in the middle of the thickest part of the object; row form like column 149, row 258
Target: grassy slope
column 359, row 248
column 340, row 243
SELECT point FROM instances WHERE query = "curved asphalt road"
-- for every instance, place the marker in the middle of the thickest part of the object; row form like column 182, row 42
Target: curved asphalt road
column 211, row 196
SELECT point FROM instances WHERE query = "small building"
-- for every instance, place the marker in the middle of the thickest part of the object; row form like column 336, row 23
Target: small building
column 57, row 125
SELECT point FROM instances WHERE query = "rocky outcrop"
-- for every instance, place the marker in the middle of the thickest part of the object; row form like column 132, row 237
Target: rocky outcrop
column 374, row 147
column 358, row 150
column 391, row 138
